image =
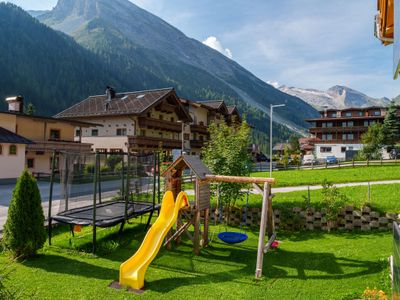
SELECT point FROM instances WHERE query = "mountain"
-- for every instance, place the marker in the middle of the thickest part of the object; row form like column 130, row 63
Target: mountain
column 148, row 52
column 37, row 13
column 336, row 97
column 46, row 66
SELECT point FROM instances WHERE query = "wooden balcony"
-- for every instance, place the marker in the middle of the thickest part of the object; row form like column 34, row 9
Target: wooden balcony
column 338, row 129
column 151, row 142
column 196, row 144
column 199, row 129
column 151, row 123
column 53, row 145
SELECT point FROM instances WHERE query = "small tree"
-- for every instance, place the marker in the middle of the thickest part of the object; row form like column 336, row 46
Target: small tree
column 30, row 109
column 226, row 153
column 294, row 144
column 24, row 231
column 373, row 141
column 391, row 126
column 333, row 201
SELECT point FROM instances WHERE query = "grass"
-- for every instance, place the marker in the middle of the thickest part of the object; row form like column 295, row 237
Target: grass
column 343, row 175
column 306, row 266
column 384, row 198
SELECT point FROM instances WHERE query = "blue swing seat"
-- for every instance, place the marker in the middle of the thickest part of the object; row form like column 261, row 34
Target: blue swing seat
column 232, row 237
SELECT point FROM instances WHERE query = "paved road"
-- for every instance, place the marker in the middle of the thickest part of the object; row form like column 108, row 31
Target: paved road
column 82, row 194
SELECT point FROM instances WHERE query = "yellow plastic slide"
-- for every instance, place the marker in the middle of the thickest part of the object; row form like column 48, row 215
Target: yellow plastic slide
column 131, row 272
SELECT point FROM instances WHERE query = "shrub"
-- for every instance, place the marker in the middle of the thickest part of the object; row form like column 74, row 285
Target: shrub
column 332, row 200
column 24, row 231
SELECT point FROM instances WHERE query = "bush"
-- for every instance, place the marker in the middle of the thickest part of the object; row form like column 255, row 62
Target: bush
column 24, row 231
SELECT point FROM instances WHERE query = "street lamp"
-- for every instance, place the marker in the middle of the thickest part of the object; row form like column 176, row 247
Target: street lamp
column 270, row 136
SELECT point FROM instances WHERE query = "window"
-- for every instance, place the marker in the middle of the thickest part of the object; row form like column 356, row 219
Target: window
column 329, row 137
column 343, row 149
column 350, row 124
column 326, row 149
column 360, row 113
column 12, row 150
column 344, row 136
column 350, row 136
column 186, row 136
column 333, row 115
column 55, row 134
column 172, row 119
column 95, row 132
column 201, row 138
column 161, row 135
column 348, row 114
column 377, row 113
column 142, row 132
column 114, row 151
column 366, row 123
column 323, row 124
column 77, row 132
column 121, row 131
column 30, row 163
column 101, row 150
column 329, row 124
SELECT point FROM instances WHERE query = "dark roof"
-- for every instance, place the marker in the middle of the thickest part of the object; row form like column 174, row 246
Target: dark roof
column 7, row 136
column 130, row 103
column 193, row 162
column 73, row 122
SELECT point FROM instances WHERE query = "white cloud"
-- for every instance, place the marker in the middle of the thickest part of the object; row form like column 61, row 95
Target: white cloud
column 214, row 43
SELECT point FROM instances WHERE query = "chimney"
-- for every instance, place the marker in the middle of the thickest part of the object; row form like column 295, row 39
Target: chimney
column 110, row 92
column 15, row 104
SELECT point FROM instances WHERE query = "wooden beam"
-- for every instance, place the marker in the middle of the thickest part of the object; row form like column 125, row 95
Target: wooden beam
column 263, row 225
column 270, row 241
column 239, row 179
column 258, row 188
column 178, row 233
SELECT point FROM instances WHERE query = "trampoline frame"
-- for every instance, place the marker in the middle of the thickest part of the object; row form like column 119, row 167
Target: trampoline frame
column 65, row 217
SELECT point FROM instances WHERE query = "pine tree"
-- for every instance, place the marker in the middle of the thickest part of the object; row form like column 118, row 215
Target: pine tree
column 24, row 231
column 391, row 126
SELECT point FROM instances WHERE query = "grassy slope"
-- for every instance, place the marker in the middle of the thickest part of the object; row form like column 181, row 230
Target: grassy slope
column 306, row 266
column 384, row 198
column 315, row 177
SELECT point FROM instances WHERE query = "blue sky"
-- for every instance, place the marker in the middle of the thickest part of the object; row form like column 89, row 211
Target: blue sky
column 302, row 43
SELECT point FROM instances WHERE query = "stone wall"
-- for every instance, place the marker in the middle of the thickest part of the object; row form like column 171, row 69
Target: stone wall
column 297, row 218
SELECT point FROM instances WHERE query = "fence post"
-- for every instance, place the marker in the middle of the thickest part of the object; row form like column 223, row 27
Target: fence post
column 309, row 197
column 367, row 162
column 381, row 161
column 353, row 161
column 369, row 193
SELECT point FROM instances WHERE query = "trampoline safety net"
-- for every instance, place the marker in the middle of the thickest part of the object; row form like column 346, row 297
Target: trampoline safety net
column 117, row 185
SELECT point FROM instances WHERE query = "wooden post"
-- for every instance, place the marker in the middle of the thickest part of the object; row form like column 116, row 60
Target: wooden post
column 206, row 225
column 263, row 224
column 196, row 237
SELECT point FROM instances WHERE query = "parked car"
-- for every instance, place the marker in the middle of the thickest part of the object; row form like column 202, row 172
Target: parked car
column 331, row 160
column 309, row 160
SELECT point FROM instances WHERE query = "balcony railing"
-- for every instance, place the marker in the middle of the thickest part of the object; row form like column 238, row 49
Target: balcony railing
column 199, row 129
column 338, row 129
column 196, row 144
column 144, row 141
column 50, row 146
column 145, row 122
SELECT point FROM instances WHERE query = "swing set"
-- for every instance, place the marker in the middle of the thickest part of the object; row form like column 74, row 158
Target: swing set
column 201, row 207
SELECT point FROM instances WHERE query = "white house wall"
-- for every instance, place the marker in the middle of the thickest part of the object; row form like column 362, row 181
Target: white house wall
column 336, row 150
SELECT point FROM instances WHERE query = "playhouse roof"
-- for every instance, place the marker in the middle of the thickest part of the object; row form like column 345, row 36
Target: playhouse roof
column 192, row 162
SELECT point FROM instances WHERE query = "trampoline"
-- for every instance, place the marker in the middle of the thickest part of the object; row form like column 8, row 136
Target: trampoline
column 103, row 189
column 107, row 214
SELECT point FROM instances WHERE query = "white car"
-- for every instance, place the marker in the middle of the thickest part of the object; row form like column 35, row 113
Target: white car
column 309, row 160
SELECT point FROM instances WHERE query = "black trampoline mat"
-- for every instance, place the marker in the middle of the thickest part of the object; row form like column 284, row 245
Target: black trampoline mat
column 107, row 214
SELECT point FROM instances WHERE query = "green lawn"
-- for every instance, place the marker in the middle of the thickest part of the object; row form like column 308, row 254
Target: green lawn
column 306, row 266
column 342, row 175
column 384, row 198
